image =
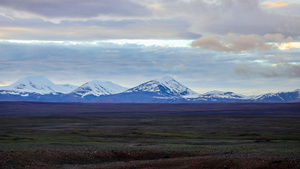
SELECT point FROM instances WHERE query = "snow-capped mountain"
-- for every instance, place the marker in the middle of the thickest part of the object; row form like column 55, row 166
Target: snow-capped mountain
column 225, row 95
column 98, row 88
column 36, row 84
column 165, row 86
column 176, row 87
column 278, row 97
column 164, row 90
column 220, row 96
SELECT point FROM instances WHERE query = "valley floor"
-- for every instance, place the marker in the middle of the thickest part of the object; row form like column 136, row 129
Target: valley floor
column 78, row 135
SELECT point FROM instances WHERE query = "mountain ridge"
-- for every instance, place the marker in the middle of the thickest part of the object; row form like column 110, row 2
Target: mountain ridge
column 164, row 90
column 38, row 84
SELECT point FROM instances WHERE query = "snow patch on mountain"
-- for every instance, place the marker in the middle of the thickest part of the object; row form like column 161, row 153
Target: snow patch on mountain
column 150, row 86
column 298, row 91
column 98, row 88
column 262, row 96
column 36, row 84
column 280, row 96
column 223, row 95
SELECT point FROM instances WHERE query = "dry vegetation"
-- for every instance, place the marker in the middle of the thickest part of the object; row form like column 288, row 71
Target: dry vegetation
column 67, row 135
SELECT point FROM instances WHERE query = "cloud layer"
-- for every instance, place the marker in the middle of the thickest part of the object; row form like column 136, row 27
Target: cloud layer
column 93, row 20
column 77, row 8
column 274, row 71
column 236, row 44
column 130, row 65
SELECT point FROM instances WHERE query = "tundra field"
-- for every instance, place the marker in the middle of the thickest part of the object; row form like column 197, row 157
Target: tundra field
column 88, row 135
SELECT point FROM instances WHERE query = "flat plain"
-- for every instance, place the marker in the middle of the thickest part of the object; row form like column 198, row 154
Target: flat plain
column 91, row 135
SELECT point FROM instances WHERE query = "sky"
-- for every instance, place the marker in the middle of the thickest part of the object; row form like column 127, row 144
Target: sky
column 245, row 46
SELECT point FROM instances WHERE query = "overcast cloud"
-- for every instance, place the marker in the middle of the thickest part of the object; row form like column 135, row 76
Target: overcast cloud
column 77, row 8
column 239, row 45
column 199, row 17
column 130, row 65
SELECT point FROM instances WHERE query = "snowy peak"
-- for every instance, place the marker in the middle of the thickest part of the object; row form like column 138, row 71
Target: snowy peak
column 166, row 89
column 36, row 84
column 176, row 87
column 223, row 95
column 150, row 86
column 33, row 82
column 279, row 97
column 165, row 86
column 98, row 88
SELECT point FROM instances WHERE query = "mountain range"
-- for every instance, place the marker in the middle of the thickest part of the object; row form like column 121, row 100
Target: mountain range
column 164, row 90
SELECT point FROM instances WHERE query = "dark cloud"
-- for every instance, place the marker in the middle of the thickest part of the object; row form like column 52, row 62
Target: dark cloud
column 234, row 43
column 211, row 43
column 77, row 8
column 250, row 42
